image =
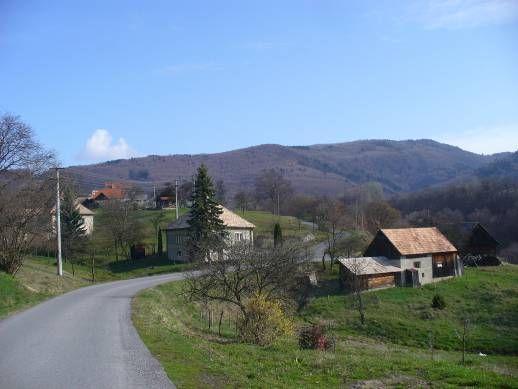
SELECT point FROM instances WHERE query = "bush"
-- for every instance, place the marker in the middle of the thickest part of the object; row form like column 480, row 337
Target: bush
column 314, row 337
column 438, row 302
column 265, row 321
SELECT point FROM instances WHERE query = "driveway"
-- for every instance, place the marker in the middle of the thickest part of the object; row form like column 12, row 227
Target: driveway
column 82, row 339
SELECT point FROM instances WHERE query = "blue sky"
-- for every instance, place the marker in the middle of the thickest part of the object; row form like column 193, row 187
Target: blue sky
column 100, row 80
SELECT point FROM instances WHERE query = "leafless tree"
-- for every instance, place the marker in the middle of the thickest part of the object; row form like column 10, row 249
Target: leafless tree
column 379, row 215
column 463, row 336
column 271, row 186
column 353, row 243
column 26, row 195
column 356, row 284
column 221, row 192
column 331, row 220
column 242, row 200
column 247, row 271
column 120, row 224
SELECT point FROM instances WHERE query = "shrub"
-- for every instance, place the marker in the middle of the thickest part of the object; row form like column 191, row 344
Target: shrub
column 265, row 321
column 314, row 337
column 438, row 302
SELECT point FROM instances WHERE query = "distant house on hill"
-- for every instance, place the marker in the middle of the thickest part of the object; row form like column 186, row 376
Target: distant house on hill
column 404, row 257
column 237, row 228
column 111, row 191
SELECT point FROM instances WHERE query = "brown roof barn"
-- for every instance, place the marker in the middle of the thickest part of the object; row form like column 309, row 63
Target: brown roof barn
column 403, row 257
column 412, row 241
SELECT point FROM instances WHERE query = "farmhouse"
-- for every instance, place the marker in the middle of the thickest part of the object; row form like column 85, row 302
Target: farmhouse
column 403, row 257
column 111, row 191
column 237, row 228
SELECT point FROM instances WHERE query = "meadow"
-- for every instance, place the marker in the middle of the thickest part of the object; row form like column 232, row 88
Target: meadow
column 391, row 349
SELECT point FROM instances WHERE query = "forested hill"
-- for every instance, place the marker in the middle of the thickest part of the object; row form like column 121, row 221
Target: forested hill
column 400, row 166
column 507, row 166
column 490, row 201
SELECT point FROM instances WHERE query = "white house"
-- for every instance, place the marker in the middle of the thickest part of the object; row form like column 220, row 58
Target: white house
column 86, row 214
column 237, row 228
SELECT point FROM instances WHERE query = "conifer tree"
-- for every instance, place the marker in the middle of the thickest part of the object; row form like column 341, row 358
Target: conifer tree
column 159, row 242
column 72, row 224
column 207, row 231
column 277, row 235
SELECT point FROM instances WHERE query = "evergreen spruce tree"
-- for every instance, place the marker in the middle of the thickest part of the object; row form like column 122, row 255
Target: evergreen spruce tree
column 72, row 224
column 277, row 235
column 159, row 242
column 207, row 231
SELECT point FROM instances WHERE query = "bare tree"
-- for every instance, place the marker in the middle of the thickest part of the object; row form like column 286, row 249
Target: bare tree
column 242, row 201
column 221, row 191
column 120, row 224
column 272, row 187
column 353, row 243
column 331, row 220
column 247, row 271
column 355, row 280
column 380, row 214
column 26, row 194
column 19, row 151
column 463, row 336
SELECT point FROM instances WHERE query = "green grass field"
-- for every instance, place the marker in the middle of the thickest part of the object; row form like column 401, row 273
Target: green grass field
column 487, row 297
column 265, row 221
column 383, row 353
column 37, row 279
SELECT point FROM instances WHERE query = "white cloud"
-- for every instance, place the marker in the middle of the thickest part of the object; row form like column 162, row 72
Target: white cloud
column 488, row 140
column 100, row 147
column 458, row 14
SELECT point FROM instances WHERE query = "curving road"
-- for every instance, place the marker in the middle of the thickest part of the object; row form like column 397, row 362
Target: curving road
column 82, row 339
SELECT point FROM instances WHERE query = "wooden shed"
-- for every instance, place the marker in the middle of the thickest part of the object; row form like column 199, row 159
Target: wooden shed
column 367, row 273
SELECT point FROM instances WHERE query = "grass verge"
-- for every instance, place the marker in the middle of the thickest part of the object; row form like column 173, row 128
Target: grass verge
column 194, row 356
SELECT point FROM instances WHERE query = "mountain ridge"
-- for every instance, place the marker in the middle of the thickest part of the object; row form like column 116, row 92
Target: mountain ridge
column 319, row 169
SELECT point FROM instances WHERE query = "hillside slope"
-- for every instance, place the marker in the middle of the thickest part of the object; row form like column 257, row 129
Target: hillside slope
column 400, row 166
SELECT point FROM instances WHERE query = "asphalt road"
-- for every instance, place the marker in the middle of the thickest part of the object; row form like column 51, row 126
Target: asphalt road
column 82, row 339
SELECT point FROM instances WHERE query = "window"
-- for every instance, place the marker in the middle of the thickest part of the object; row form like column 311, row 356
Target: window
column 417, row 265
column 179, row 253
column 239, row 236
column 422, row 275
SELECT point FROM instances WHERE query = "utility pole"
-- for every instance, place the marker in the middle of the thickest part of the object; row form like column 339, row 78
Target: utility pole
column 176, row 197
column 58, row 224
column 154, row 195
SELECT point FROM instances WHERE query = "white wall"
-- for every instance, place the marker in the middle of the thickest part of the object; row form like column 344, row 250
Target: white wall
column 88, row 221
column 425, row 267
column 176, row 242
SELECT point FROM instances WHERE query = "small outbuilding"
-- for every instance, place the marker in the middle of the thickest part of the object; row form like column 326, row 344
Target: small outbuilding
column 367, row 273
